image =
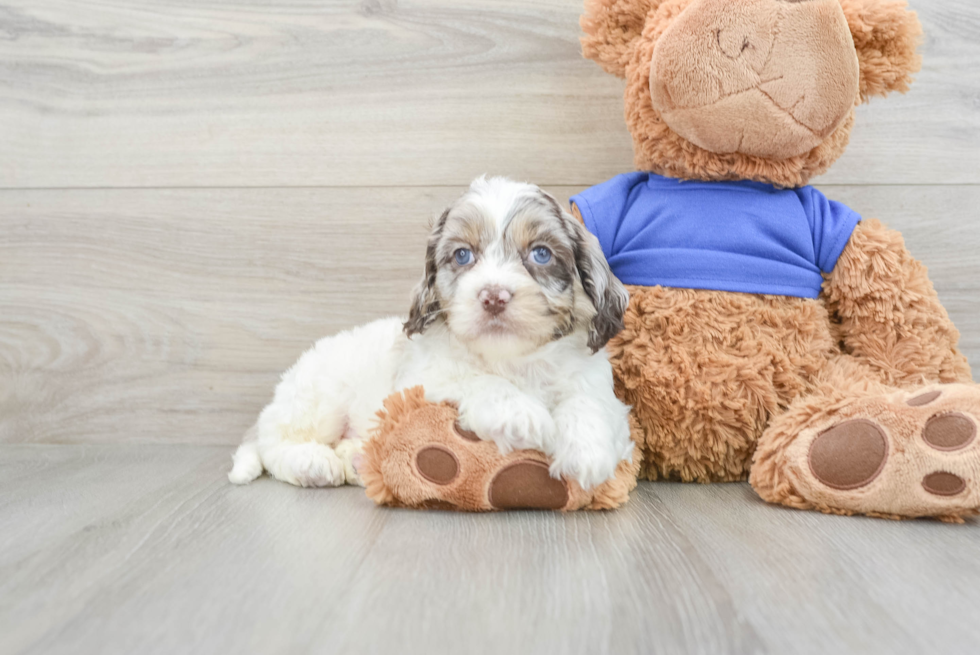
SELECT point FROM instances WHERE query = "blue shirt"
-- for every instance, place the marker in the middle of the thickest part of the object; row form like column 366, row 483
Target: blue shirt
column 728, row 236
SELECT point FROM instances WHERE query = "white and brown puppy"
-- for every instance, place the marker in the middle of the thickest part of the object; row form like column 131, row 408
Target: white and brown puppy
column 509, row 322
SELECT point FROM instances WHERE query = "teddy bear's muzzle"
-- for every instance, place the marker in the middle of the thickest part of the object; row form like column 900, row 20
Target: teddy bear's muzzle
column 769, row 78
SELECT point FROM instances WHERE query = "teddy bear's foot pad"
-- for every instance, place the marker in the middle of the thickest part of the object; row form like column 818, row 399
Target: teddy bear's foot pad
column 849, row 455
column 521, row 484
column 905, row 454
column 527, row 485
column 437, row 464
column 420, row 457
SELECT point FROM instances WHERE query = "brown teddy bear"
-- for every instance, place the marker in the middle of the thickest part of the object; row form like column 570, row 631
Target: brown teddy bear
column 771, row 333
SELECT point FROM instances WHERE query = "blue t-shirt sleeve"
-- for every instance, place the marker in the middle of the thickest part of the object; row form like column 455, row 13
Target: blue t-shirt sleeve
column 831, row 224
column 603, row 206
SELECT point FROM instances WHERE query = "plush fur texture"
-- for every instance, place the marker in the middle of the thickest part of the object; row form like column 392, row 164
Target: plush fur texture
column 706, row 370
column 772, row 80
column 887, row 313
column 508, row 323
column 409, row 424
column 728, row 385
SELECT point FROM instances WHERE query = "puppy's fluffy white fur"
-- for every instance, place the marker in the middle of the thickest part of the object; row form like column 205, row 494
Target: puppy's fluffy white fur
column 508, row 321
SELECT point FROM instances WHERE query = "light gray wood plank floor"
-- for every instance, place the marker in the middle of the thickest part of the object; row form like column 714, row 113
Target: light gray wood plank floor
column 148, row 549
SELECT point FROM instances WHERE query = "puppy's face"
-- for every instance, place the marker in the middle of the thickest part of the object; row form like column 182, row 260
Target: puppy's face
column 508, row 271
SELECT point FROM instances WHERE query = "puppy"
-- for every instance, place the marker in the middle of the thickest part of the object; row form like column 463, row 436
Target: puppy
column 509, row 322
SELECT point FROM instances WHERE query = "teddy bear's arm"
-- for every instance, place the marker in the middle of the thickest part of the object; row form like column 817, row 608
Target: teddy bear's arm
column 888, row 312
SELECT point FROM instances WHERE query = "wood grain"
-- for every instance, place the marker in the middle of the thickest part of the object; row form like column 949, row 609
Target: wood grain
column 818, row 584
column 167, row 93
column 115, row 302
column 122, row 549
column 167, row 315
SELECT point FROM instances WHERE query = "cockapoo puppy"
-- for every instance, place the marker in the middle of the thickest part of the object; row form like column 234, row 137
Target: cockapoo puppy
column 508, row 322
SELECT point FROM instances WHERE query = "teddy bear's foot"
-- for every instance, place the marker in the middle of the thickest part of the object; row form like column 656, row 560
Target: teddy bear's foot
column 420, row 457
column 905, row 454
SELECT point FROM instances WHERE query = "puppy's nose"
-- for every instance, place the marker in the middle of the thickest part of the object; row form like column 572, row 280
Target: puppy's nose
column 494, row 299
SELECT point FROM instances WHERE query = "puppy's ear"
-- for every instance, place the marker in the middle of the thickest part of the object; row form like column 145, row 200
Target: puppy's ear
column 425, row 302
column 611, row 29
column 607, row 293
column 885, row 35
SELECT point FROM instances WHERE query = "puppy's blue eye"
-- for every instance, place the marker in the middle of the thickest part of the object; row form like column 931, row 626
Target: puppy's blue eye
column 541, row 255
column 463, row 256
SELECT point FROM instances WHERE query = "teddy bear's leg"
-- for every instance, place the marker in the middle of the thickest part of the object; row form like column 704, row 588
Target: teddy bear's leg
column 890, row 317
column 857, row 446
column 705, row 370
column 420, row 457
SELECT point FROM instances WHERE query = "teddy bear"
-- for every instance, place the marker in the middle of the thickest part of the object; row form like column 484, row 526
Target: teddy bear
column 772, row 334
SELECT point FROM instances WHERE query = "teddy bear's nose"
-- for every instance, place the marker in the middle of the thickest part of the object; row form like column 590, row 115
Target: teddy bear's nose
column 733, row 42
column 746, row 44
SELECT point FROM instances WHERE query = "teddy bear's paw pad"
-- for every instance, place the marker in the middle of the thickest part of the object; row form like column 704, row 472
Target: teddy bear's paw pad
column 949, row 431
column 527, row 485
column 923, row 398
column 942, row 483
column 463, row 433
column 849, row 455
column 437, row 464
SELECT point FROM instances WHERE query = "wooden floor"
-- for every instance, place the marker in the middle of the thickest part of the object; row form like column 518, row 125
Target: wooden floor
column 192, row 191
column 147, row 549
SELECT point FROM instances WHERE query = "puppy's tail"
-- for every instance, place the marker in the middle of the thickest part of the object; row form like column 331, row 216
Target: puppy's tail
column 246, row 463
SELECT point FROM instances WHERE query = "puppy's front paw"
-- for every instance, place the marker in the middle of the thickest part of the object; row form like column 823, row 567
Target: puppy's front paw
column 588, row 464
column 351, row 452
column 590, row 446
column 514, row 422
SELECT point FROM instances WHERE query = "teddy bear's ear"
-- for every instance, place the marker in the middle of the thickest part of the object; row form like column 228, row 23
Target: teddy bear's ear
column 886, row 34
column 611, row 29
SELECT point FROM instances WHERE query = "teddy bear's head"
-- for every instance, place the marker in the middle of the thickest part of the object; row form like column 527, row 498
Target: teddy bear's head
column 749, row 89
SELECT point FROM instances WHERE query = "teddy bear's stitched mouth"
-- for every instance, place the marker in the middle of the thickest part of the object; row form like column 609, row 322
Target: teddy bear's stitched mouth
column 788, row 112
